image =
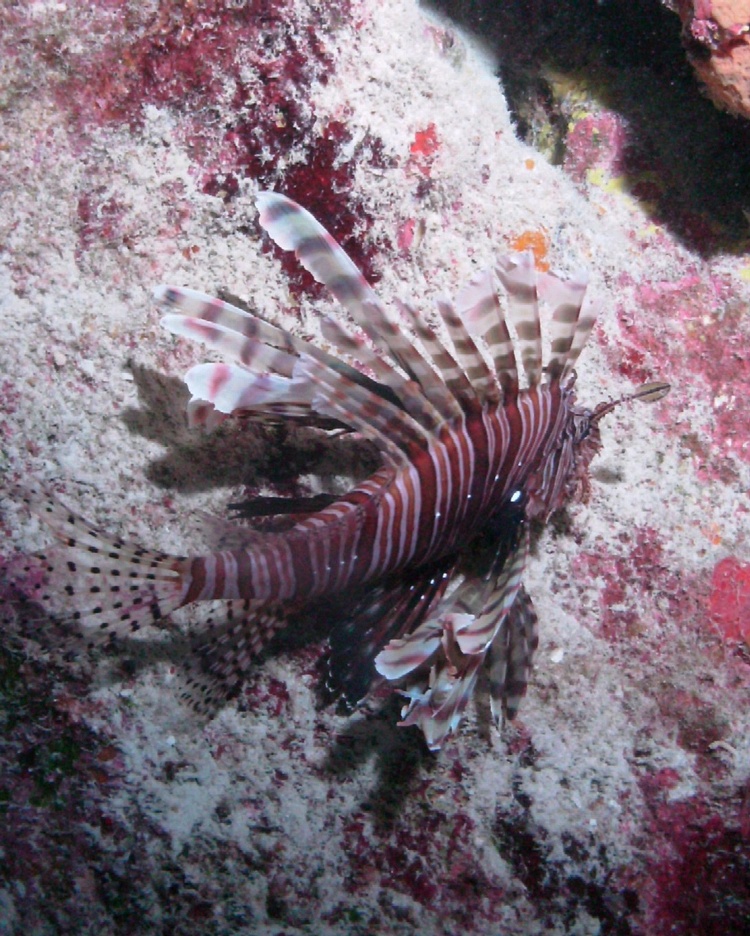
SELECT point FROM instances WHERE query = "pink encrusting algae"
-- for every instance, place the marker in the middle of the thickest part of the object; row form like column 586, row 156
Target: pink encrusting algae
column 469, row 459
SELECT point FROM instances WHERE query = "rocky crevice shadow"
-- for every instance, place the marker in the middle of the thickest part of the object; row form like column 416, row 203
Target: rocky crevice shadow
column 631, row 59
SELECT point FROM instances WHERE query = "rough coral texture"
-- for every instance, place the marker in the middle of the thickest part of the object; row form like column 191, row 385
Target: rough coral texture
column 717, row 36
column 134, row 138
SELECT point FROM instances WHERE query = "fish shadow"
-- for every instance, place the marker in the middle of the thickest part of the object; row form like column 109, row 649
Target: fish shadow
column 402, row 759
column 370, row 733
column 238, row 453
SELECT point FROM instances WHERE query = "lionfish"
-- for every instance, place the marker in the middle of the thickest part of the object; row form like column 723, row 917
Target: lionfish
column 426, row 555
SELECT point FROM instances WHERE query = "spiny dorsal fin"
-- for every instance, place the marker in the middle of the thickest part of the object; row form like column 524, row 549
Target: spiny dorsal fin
column 459, row 390
column 417, row 400
column 468, row 355
column 479, row 307
column 517, row 273
column 564, row 297
column 335, row 395
column 186, row 304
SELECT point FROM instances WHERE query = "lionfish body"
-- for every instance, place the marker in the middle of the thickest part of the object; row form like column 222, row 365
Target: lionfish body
column 425, row 555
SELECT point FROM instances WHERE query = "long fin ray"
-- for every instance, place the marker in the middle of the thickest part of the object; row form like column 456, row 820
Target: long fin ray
column 454, row 643
column 180, row 302
column 419, row 404
column 295, row 229
column 587, row 319
column 250, row 352
column 478, row 306
column 517, row 273
column 392, row 429
column 564, row 297
column 511, row 657
column 452, row 392
column 231, row 388
column 468, row 355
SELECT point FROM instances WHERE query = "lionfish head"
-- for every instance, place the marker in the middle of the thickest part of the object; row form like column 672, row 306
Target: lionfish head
column 564, row 474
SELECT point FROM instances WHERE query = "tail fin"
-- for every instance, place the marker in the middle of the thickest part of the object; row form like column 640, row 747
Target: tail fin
column 97, row 580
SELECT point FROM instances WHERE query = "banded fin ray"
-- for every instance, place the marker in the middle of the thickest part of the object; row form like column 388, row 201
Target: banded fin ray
column 468, row 355
column 232, row 389
column 478, row 305
column 511, row 657
column 228, row 326
column 565, row 297
column 393, row 430
column 517, row 273
column 455, row 643
column 293, row 228
column 480, row 631
column 461, row 393
column 251, row 353
column 425, row 407
column 587, row 319
column 437, row 709
column 375, row 616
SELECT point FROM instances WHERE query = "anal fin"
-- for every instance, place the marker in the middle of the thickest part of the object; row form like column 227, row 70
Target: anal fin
column 224, row 650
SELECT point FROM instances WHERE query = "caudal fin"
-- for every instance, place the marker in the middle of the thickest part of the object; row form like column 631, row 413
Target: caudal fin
column 95, row 580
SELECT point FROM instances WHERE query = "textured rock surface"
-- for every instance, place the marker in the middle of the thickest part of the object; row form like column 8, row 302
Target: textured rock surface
column 134, row 138
column 717, row 37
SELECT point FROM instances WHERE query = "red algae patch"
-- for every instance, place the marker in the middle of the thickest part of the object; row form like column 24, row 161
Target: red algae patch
column 238, row 80
column 730, row 599
column 699, row 859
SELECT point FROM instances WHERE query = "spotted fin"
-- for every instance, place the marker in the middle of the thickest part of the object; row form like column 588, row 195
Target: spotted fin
column 224, row 651
column 98, row 581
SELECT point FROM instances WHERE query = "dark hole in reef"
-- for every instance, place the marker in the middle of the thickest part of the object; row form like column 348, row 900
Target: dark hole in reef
column 631, row 57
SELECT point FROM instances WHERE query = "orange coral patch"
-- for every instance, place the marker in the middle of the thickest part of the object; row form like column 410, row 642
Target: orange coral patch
column 537, row 242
